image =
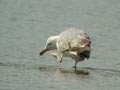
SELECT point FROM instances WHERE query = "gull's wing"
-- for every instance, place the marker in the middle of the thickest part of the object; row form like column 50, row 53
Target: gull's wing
column 74, row 40
column 80, row 45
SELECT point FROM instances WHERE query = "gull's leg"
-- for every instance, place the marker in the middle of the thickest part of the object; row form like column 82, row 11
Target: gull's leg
column 75, row 64
column 58, row 56
column 54, row 54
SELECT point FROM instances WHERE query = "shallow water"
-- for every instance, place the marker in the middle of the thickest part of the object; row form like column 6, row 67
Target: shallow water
column 24, row 28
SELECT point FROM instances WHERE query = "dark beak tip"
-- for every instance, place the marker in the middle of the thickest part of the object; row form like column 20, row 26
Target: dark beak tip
column 42, row 52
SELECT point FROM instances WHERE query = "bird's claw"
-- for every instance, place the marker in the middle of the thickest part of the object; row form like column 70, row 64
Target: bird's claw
column 74, row 67
column 60, row 61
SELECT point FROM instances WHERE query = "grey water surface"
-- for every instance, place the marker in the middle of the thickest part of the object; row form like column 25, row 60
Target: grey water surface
column 25, row 26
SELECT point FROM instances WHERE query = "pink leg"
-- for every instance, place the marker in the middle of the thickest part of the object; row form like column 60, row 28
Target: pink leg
column 58, row 56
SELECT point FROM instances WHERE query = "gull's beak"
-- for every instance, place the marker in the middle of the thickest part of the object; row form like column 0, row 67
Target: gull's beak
column 43, row 51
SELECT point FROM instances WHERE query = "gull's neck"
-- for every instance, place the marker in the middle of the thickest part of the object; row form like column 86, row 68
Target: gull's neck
column 54, row 39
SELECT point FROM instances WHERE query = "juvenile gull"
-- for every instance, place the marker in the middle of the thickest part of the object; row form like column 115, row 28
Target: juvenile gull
column 73, row 43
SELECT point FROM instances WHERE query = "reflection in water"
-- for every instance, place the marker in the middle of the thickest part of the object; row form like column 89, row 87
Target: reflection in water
column 63, row 71
column 82, row 72
column 85, row 71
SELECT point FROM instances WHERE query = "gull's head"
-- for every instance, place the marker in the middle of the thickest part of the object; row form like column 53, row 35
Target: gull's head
column 50, row 44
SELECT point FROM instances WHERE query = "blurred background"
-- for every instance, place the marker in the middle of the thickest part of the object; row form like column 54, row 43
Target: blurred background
column 25, row 26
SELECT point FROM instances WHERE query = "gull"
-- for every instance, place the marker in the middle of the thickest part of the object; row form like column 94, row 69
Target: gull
column 72, row 42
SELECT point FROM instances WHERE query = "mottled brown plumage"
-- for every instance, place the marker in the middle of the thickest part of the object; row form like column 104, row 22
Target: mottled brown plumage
column 72, row 43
